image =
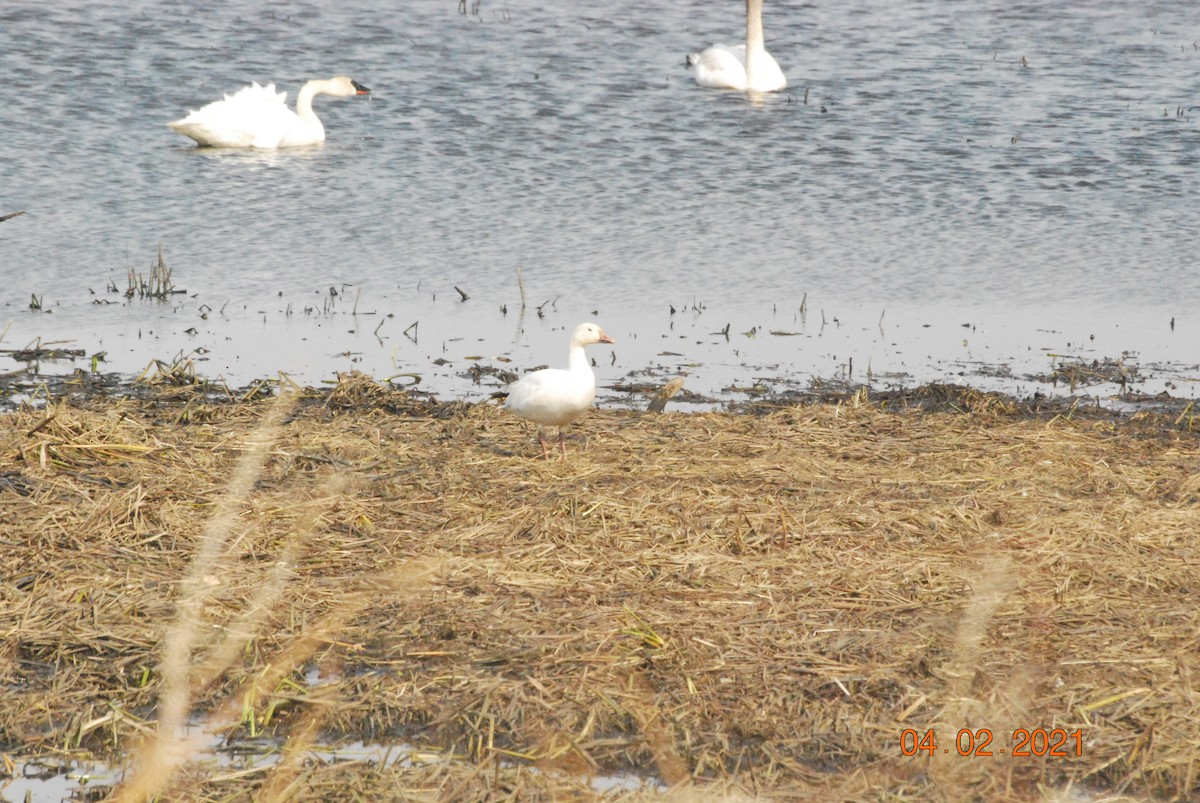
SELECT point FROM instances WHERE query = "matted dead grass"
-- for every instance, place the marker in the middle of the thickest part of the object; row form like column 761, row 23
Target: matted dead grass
column 728, row 606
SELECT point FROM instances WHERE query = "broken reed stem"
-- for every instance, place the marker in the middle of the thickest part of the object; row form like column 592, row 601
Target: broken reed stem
column 157, row 759
column 398, row 582
column 521, row 285
column 284, row 776
column 239, row 633
column 173, row 705
column 656, row 730
column 989, row 590
column 664, row 395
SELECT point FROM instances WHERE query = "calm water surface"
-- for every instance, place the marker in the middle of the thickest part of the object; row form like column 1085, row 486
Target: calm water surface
column 1029, row 170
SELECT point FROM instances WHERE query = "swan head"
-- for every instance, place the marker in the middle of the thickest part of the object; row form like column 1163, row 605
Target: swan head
column 587, row 334
column 346, row 87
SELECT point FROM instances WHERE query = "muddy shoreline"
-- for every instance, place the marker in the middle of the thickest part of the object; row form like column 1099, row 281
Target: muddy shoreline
column 1065, row 390
column 468, row 351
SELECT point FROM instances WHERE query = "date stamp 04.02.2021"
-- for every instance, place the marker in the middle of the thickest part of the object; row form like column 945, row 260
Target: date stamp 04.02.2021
column 1055, row 743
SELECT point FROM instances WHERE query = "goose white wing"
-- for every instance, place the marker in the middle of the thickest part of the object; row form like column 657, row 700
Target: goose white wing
column 552, row 396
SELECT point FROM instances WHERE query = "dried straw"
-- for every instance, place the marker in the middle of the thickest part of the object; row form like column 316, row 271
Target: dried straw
column 727, row 606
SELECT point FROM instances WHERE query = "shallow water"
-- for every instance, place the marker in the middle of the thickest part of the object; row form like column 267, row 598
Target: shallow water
column 43, row 781
column 1028, row 170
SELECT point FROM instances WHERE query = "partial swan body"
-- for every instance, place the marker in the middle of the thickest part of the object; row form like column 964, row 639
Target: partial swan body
column 556, row 397
column 742, row 67
column 258, row 117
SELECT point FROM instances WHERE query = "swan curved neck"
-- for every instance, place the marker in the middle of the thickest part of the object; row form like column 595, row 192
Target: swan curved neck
column 304, row 99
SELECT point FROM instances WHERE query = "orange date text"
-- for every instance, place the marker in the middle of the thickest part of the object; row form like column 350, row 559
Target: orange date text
column 1056, row 743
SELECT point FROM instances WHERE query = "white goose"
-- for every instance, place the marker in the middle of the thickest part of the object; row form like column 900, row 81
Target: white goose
column 556, row 397
column 257, row 117
column 743, row 67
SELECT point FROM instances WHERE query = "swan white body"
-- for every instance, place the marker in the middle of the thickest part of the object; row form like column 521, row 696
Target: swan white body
column 742, row 67
column 258, row 117
column 554, row 396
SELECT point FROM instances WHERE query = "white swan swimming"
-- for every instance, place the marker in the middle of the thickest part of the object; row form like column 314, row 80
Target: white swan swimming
column 257, row 117
column 556, row 397
column 744, row 67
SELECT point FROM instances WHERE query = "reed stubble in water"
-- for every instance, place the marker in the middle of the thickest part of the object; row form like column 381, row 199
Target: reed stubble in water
column 743, row 605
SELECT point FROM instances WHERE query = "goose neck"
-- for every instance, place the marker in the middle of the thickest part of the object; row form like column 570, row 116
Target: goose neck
column 577, row 359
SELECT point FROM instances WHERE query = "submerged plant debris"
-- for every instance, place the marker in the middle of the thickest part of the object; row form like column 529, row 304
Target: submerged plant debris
column 808, row 601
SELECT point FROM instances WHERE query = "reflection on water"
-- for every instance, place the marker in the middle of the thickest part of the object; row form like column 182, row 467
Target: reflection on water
column 251, row 159
column 45, row 780
column 967, row 159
